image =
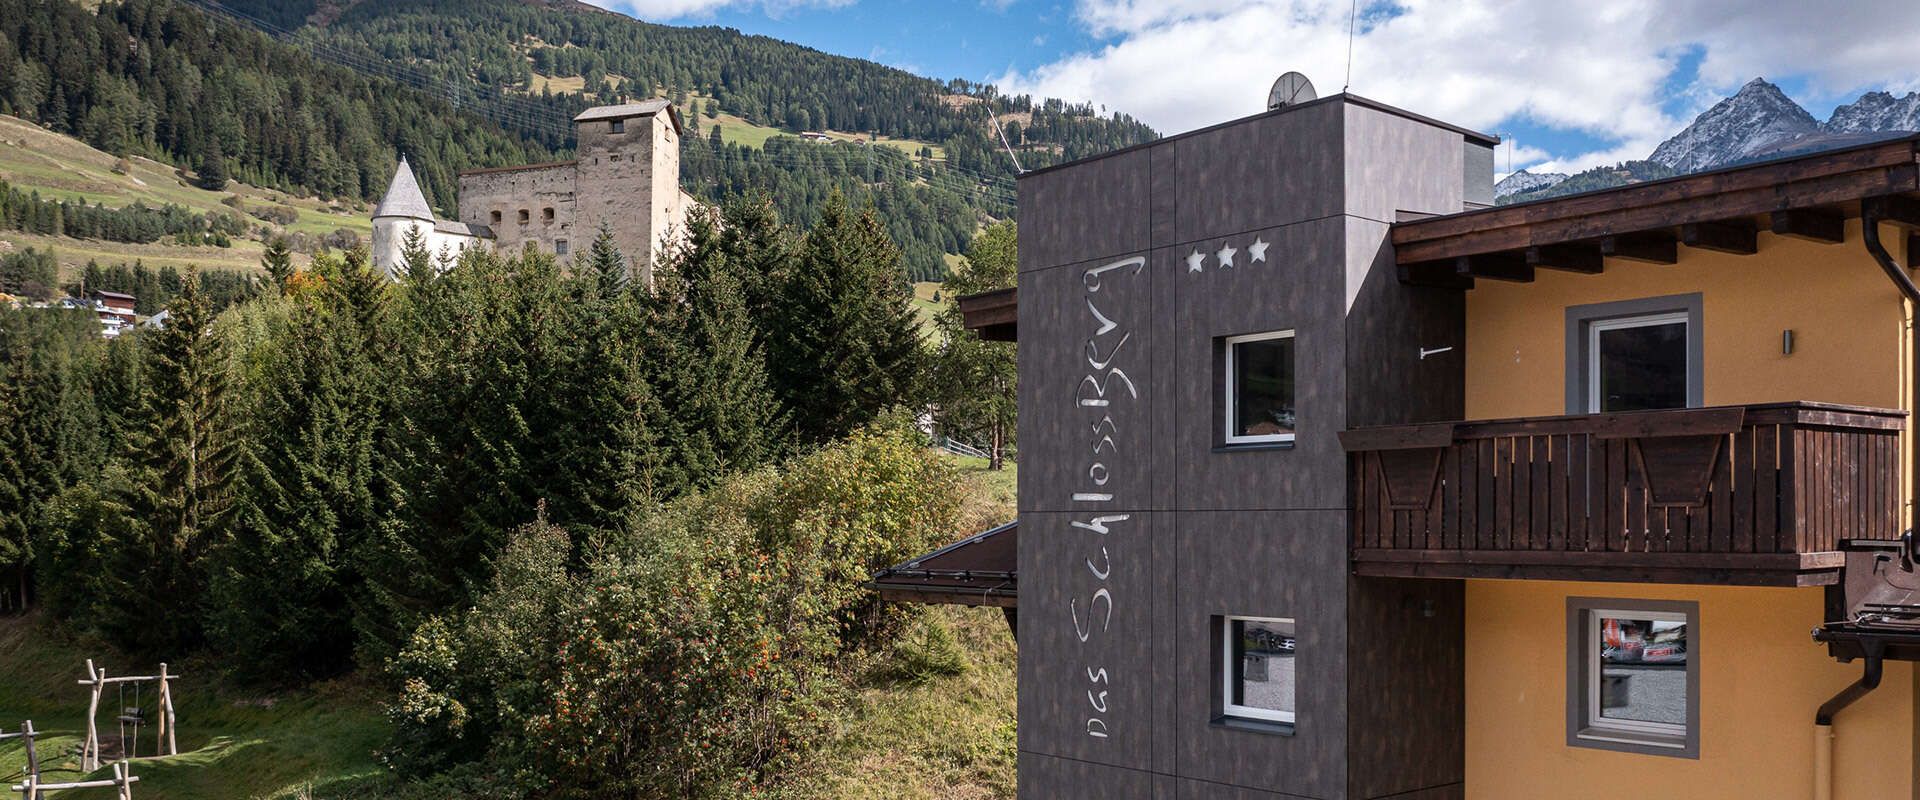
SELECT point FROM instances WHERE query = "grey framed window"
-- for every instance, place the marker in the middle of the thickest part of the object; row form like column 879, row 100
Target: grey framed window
column 1257, row 390
column 1256, row 670
column 617, row 126
column 1633, row 676
column 559, row 247
column 1635, row 355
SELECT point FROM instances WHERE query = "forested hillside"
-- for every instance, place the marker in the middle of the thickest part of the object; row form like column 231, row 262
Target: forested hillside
column 326, row 109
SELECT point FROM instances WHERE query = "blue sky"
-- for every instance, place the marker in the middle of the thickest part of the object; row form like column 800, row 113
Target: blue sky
column 1571, row 84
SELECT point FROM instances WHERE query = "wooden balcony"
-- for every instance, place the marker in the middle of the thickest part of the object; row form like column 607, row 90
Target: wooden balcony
column 1751, row 495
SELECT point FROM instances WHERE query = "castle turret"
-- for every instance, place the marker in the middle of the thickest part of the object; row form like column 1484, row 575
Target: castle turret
column 402, row 210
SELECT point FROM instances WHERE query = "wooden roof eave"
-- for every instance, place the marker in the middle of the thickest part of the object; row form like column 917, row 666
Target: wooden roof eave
column 1832, row 181
column 993, row 315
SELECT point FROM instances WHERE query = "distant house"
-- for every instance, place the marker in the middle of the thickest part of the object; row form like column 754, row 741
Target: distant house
column 114, row 309
column 815, row 136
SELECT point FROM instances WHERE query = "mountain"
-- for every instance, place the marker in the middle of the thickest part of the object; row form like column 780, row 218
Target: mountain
column 1524, row 181
column 1877, row 111
column 1756, row 123
column 317, row 97
column 1736, row 128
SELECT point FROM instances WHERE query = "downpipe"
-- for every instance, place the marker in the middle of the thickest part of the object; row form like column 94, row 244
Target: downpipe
column 1823, row 720
column 1873, row 211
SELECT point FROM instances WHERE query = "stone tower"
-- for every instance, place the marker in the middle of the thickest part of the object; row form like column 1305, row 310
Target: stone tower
column 404, row 211
column 626, row 176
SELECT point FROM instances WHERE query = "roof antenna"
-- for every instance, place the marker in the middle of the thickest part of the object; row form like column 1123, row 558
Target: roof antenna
column 1353, row 8
column 1017, row 169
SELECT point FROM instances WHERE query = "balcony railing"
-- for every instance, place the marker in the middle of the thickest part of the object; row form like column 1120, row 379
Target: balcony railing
column 1758, row 494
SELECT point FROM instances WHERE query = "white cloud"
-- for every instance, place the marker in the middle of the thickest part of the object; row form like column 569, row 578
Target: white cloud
column 1604, row 69
column 662, row 10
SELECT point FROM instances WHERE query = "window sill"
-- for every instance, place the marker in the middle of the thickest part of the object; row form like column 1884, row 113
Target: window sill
column 1252, row 447
column 1253, row 725
column 1652, row 744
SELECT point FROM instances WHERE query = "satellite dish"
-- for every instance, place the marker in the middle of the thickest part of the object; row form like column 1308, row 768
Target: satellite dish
column 1292, row 88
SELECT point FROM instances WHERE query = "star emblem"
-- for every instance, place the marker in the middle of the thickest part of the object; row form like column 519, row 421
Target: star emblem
column 1196, row 261
column 1257, row 251
column 1226, row 256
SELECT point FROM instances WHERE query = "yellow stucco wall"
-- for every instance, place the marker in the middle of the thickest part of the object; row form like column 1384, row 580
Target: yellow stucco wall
column 1761, row 680
column 1848, row 323
column 1762, row 676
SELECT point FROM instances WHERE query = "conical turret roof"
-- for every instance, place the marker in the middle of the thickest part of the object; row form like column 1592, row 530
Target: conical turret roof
column 403, row 197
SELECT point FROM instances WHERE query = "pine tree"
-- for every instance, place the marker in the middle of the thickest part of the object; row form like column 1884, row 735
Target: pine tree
column 720, row 412
column 278, row 262
column 972, row 381
column 604, row 265
column 177, row 492
column 848, row 345
column 306, row 492
column 211, row 172
column 417, row 264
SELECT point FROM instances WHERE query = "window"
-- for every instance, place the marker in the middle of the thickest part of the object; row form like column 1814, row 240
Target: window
column 1257, row 669
column 1258, row 388
column 1634, row 676
column 524, row 217
column 496, row 217
column 1635, row 355
column 546, row 215
column 617, row 126
column 560, row 247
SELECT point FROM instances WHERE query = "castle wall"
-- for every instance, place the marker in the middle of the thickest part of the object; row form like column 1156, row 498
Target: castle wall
column 390, row 236
column 630, row 180
column 541, row 195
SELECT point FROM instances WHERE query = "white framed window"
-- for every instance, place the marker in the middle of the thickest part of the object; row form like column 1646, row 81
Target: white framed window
column 1258, row 388
column 1634, row 676
column 1257, row 671
column 1639, row 363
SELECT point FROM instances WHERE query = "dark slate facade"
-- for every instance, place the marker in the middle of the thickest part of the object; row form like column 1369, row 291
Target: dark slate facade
column 1139, row 528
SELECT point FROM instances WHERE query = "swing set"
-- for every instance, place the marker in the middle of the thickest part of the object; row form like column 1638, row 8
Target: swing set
column 130, row 717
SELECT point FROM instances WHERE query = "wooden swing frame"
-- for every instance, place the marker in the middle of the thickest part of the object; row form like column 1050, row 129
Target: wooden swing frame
column 98, row 681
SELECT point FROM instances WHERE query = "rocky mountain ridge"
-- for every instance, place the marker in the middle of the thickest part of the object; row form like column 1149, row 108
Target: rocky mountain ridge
column 1759, row 121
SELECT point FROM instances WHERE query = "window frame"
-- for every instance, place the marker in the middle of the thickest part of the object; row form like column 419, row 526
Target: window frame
column 1586, row 726
column 1585, row 321
column 616, row 126
column 1231, row 712
column 1230, row 400
column 560, row 247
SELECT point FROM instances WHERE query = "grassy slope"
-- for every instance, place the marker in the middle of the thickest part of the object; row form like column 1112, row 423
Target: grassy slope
column 61, row 167
column 232, row 745
column 951, row 737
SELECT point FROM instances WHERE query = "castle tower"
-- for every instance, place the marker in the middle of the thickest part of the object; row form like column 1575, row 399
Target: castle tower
column 403, row 210
column 629, row 178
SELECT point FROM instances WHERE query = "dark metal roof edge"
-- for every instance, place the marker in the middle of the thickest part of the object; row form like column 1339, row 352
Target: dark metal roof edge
column 1910, row 139
column 974, row 539
column 1469, row 133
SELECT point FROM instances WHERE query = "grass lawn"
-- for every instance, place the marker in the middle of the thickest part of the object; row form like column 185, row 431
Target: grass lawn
column 232, row 744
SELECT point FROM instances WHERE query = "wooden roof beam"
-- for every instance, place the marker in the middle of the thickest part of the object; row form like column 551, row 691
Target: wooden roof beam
column 1583, row 258
column 1895, row 209
column 1738, row 238
column 1810, row 224
column 1435, row 274
column 1650, row 248
column 1505, row 266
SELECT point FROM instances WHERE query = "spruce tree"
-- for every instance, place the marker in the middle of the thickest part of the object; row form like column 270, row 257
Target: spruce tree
column 973, row 381
column 278, row 262
column 603, row 265
column 847, row 346
column 177, row 490
column 720, row 413
column 308, row 494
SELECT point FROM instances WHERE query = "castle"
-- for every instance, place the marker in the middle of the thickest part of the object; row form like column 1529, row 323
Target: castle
column 625, row 175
